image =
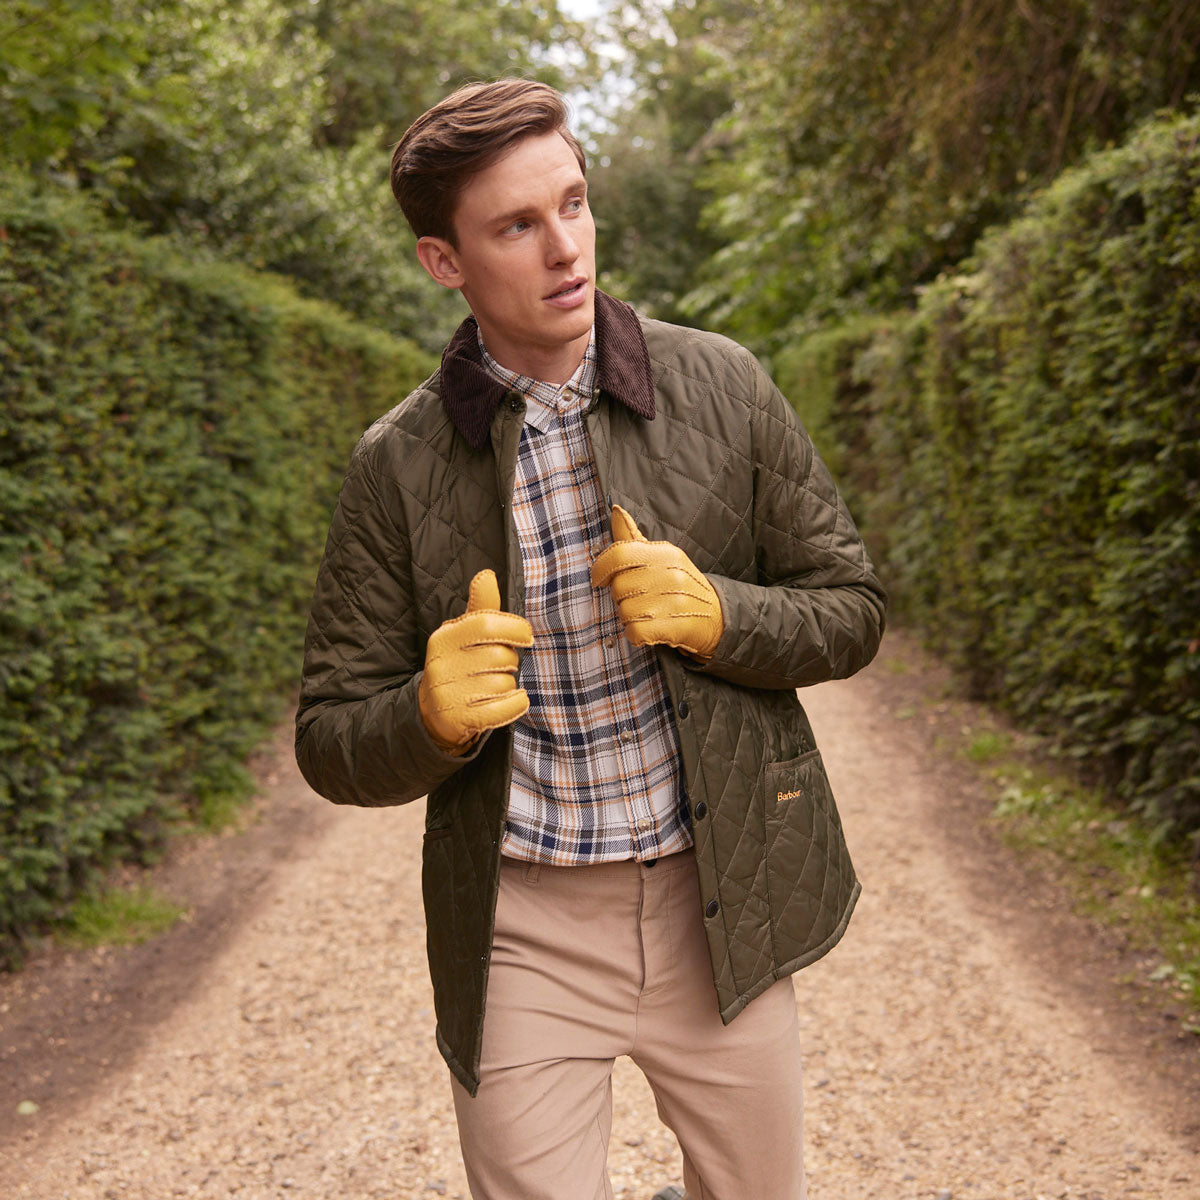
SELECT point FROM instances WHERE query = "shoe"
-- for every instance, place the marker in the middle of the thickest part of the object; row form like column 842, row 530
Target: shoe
column 671, row 1192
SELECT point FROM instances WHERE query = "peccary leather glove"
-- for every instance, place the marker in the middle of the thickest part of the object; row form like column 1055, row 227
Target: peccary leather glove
column 661, row 596
column 469, row 684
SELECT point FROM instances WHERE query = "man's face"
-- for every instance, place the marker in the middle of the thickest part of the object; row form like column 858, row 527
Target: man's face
column 525, row 259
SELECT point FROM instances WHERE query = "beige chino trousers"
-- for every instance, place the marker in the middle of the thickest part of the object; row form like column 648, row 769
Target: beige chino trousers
column 593, row 962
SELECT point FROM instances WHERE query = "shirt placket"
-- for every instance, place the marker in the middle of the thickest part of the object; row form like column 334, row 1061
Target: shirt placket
column 613, row 649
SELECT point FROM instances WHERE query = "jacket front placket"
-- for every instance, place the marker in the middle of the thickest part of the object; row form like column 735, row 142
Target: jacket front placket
column 508, row 421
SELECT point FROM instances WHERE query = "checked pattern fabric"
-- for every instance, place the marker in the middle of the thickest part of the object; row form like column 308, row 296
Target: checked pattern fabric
column 596, row 773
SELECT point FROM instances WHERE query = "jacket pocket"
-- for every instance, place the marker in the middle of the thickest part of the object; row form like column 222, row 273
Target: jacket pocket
column 808, row 881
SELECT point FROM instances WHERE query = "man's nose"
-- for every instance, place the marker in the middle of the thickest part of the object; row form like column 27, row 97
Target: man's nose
column 561, row 246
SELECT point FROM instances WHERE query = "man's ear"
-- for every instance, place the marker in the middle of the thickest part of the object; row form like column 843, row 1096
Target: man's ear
column 440, row 261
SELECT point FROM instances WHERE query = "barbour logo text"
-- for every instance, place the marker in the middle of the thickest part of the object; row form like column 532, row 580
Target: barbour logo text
column 782, row 796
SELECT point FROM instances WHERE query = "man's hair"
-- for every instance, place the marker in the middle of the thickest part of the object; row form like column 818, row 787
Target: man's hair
column 444, row 148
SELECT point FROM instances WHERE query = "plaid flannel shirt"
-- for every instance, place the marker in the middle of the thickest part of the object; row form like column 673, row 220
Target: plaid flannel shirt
column 596, row 769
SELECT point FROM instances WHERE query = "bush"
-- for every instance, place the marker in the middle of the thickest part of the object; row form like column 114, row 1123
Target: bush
column 1024, row 452
column 172, row 436
column 819, row 373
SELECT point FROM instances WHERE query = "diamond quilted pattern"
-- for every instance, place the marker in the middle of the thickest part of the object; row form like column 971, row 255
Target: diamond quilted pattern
column 723, row 469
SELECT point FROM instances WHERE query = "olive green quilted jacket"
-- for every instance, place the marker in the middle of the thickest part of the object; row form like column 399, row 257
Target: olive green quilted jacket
column 693, row 439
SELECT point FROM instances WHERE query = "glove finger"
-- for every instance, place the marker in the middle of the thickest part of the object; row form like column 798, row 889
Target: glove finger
column 490, row 658
column 672, row 589
column 652, row 631
column 501, row 629
column 674, row 603
column 482, row 629
column 477, row 663
column 632, row 598
column 635, row 632
column 491, row 712
column 666, row 590
column 624, row 527
column 644, row 554
column 621, row 556
column 457, row 697
column 605, row 565
column 484, row 593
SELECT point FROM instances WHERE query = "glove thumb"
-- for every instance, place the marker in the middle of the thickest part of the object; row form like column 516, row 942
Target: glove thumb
column 484, row 594
column 624, row 527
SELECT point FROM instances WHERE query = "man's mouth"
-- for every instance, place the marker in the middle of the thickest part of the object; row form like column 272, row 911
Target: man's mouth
column 570, row 290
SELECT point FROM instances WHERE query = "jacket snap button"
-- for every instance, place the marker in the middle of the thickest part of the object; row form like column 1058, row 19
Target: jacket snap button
column 684, row 708
column 701, row 811
column 514, row 404
column 710, row 909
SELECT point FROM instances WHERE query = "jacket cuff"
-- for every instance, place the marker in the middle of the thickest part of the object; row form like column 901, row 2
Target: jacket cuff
column 730, row 638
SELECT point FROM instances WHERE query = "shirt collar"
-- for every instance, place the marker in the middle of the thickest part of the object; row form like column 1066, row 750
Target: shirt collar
column 471, row 393
column 546, row 401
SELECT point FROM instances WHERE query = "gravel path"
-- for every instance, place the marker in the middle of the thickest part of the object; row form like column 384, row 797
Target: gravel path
column 948, row 1056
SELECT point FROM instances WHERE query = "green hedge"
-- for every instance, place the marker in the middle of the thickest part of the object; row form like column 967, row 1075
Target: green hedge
column 172, row 437
column 1024, row 455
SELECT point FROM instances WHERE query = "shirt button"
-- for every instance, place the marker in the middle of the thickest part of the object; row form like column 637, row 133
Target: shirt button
column 609, row 643
column 627, row 735
column 644, row 823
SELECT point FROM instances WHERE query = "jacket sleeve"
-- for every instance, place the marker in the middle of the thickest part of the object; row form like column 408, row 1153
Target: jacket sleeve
column 816, row 610
column 360, row 738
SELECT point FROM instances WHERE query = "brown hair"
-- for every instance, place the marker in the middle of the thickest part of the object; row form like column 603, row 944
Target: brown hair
column 444, row 148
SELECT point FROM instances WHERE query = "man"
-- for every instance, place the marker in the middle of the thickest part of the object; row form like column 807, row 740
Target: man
column 570, row 589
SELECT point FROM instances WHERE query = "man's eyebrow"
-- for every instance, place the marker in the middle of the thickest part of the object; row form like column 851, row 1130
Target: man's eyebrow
column 503, row 220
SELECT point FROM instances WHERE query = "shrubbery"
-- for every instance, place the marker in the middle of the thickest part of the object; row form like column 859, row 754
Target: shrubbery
column 1024, row 456
column 172, row 436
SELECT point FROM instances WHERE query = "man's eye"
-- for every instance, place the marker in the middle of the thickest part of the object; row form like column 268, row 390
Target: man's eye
column 575, row 205
column 517, row 227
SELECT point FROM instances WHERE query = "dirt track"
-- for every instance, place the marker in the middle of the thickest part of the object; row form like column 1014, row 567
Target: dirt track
column 966, row 1040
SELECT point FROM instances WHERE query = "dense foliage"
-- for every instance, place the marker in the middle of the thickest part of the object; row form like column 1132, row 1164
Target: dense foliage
column 647, row 185
column 1024, row 452
column 260, row 128
column 390, row 60
column 172, row 436
column 864, row 145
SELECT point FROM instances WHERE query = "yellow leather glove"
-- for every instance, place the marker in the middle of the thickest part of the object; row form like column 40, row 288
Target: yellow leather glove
column 661, row 596
column 470, row 684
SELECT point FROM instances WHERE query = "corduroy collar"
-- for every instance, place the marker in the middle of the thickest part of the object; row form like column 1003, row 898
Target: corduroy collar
column 471, row 393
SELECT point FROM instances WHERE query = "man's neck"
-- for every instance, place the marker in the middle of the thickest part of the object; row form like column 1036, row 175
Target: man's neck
column 553, row 364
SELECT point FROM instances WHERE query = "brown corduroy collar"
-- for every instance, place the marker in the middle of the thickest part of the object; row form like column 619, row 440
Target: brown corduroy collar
column 471, row 393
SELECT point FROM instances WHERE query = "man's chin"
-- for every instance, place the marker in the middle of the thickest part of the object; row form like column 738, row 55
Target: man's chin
column 579, row 320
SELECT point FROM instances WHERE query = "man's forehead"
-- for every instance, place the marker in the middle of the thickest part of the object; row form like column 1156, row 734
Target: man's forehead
column 534, row 169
